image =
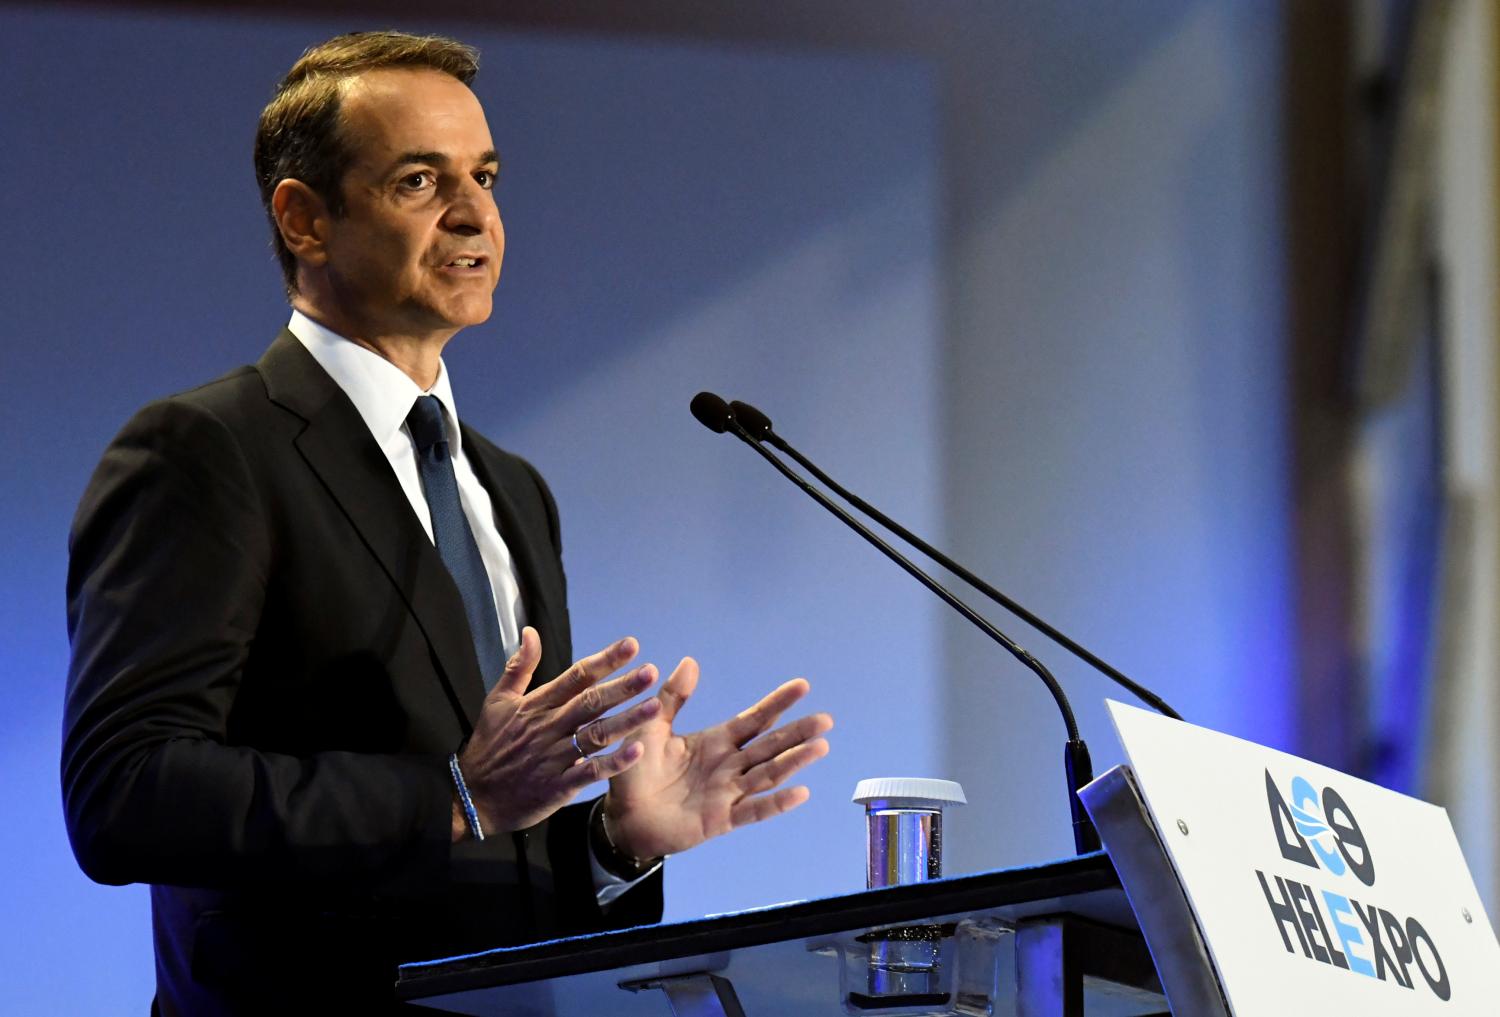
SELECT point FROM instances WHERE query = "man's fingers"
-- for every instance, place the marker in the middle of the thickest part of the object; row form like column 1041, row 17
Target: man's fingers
column 753, row 810
column 745, row 726
column 602, row 733
column 784, row 737
column 585, row 673
column 599, row 699
column 518, row 670
column 774, row 771
column 679, row 686
column 601, row 767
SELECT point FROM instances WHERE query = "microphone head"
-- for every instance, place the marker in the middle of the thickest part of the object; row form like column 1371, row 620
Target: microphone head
column 711, row 411
column 756, row 423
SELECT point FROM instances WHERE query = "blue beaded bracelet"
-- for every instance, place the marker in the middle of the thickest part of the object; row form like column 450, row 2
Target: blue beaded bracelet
column 471, row 816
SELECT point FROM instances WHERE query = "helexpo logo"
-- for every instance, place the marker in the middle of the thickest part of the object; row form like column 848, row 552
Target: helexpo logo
column 1334, row 926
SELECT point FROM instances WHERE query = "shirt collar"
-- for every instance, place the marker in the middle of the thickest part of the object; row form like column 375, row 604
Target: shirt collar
column 381, row 392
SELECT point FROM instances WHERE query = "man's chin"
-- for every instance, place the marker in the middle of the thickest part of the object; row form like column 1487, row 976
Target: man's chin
column 466, row 313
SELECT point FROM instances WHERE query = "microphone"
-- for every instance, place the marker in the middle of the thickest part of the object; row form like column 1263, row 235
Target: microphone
column 758, row 426
column 713, row 413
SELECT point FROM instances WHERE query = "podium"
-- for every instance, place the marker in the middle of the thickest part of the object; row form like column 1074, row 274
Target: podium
column 1061, row 939
column 1236, row 880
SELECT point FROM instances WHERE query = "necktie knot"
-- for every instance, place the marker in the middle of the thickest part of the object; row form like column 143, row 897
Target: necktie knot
column 425, row 421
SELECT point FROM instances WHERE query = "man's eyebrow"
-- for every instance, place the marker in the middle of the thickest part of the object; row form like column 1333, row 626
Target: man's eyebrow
column 438, row 159
column 420, row 158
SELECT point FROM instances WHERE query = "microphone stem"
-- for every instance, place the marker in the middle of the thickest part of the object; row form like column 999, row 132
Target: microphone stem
column 1015, row 650
column 1140, row 691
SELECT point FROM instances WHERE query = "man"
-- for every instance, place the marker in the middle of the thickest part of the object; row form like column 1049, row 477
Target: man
column 313, row 615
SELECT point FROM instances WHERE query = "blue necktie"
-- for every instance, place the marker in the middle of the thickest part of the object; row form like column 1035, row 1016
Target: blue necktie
column 454, row 539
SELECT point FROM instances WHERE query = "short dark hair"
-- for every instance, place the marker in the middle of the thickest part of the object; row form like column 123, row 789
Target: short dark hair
column 299, row 137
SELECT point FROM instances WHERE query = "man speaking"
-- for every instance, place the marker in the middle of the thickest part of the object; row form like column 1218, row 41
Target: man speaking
column 320, row 694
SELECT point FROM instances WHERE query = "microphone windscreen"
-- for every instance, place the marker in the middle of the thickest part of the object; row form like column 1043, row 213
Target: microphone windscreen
column 711, row 411
column 751, row 419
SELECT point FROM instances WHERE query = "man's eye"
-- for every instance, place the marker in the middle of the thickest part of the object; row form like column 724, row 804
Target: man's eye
column 414, row 181
column 485, row 178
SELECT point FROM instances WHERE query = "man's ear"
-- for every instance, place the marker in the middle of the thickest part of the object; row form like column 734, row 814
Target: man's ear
column 302, row 217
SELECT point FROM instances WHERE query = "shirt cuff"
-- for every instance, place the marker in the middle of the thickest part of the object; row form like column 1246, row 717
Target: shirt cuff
column 609, row 887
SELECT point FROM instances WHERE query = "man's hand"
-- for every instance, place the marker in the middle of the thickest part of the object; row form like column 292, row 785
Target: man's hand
column 520, row 764
column 685, row 789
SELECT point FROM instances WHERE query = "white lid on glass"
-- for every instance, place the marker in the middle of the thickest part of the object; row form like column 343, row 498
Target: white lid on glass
column 910, row 792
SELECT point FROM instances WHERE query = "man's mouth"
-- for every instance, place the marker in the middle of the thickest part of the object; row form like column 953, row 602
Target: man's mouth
column 466, row 261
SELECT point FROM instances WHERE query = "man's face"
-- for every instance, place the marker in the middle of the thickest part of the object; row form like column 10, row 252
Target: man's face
column 418, row 249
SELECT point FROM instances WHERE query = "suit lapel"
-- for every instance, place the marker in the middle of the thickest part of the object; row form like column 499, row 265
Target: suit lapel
column 339, row 448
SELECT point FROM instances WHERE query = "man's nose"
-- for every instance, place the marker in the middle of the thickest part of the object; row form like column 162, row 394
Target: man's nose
column 472, row 211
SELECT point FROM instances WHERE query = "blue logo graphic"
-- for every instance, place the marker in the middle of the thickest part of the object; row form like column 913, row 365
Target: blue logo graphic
column 1319, row 830
column 1307, row 815
column 1342, row 929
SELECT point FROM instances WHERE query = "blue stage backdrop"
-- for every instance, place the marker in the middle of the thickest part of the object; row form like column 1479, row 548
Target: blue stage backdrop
column 678, row 218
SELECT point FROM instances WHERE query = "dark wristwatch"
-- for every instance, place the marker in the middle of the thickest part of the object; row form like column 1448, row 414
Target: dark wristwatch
column 614, row 861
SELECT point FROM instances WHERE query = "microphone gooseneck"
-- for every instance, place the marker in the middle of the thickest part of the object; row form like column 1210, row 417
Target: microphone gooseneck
column 705, row 407
column 758, row 425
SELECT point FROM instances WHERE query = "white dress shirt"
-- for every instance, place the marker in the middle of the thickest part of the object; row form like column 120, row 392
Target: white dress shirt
column 383, row 394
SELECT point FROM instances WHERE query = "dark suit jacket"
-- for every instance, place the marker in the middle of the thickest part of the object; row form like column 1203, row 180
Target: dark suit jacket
column 270, row 667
